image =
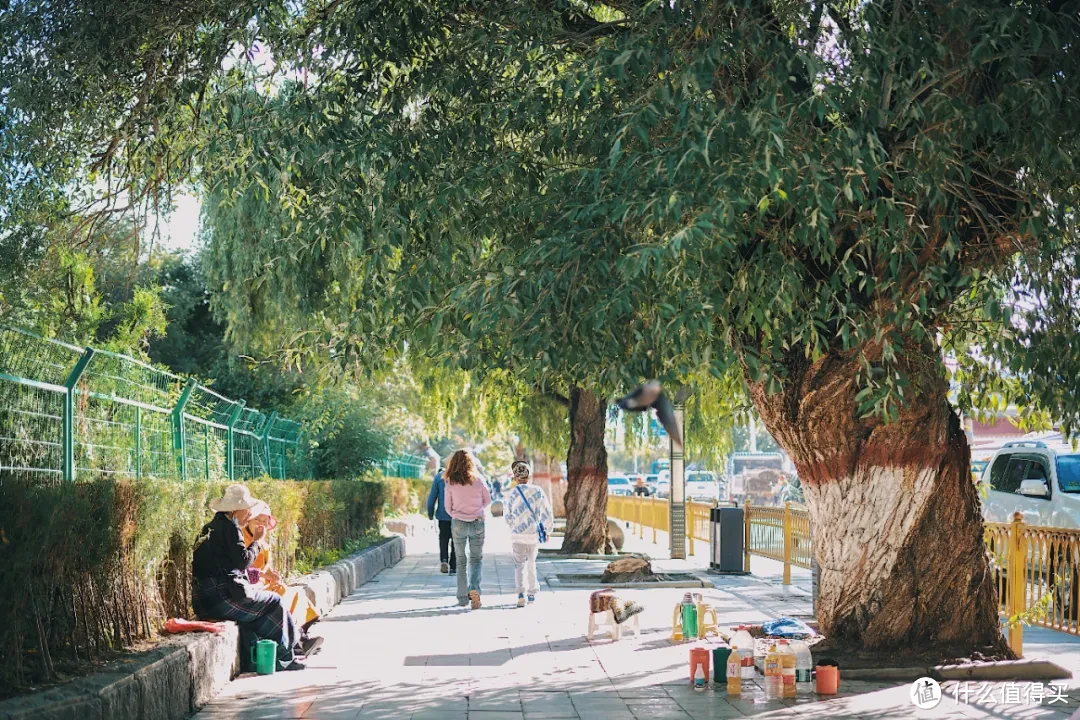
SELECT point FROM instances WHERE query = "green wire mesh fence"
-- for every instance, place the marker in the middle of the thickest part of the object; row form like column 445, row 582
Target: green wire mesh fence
column 70, row 413
column 410, row 467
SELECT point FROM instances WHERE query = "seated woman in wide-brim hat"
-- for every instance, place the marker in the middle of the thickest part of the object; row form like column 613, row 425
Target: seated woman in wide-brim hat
column 219, row 584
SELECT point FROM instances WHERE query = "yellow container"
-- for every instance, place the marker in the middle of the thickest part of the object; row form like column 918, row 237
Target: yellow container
column 734, row 673
column 774, row 675
column 788, row 661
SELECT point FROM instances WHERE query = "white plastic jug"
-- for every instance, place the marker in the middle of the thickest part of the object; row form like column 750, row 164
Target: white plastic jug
column 745, row 643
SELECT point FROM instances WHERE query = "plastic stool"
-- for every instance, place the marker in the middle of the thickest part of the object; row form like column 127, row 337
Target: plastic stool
column 704, row 628
column 614, row 629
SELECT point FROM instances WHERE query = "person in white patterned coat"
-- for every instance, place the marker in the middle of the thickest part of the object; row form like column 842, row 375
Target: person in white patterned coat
column 526, row 507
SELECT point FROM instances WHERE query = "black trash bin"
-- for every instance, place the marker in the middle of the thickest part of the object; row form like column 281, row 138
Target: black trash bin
column 726, row 534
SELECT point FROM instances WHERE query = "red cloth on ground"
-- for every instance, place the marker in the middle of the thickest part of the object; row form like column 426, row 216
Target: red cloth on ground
column 180, row 625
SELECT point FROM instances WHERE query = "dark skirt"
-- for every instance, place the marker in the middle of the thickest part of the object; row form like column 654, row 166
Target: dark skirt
column 260, row 615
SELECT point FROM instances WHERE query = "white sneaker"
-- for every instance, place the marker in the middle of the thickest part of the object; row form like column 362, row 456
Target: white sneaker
column 521, row 600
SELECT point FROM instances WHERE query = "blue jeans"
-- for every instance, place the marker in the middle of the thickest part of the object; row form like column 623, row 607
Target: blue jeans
column 469, row 532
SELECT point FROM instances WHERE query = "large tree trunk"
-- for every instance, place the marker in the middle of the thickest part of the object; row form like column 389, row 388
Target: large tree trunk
column 586, row 468
column 895, row 516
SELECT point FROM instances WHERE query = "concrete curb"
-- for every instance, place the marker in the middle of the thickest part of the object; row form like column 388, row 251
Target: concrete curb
column 553, row 554
column 1029, row 670
column 185, row 672
column 1002, row 671
column 699, row 583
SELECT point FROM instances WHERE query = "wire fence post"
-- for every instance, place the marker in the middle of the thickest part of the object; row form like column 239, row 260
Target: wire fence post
column 230, row 441
column 179, row 436
column 265, row 440
column 69, row 413
column 138, row 442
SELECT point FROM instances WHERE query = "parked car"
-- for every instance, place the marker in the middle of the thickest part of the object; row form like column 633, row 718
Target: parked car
column 702, row 486
column 663, row 488
column 619, row 485
column 1043, row 485
column 1032, row 478
column 651, row 481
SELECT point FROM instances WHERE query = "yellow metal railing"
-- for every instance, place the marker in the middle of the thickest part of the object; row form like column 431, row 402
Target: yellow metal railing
column 1037, row 569
column 778, row 533
column 648, row 512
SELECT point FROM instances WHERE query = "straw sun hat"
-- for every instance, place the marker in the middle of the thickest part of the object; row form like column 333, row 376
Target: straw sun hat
column 236, row 497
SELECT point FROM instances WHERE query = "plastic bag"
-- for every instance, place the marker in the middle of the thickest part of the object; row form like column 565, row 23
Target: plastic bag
column 787, row 627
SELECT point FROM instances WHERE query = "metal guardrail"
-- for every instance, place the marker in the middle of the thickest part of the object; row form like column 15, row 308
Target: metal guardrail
column 1037, row 569
column 69, row 413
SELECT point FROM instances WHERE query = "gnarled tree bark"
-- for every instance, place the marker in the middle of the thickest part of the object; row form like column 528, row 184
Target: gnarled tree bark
column 896, row 521
column 586, row 468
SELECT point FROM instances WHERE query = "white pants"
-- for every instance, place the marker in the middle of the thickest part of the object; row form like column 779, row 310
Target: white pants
column 525, row 567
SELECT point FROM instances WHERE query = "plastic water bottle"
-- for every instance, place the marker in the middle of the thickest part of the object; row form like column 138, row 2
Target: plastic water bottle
column 774, row 675
column 761, row 649
column 745, row 643
column 699, row 679
column 804, row 665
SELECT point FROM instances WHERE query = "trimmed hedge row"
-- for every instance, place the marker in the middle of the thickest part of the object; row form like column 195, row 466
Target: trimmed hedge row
column 91, row 569
column 408, row 495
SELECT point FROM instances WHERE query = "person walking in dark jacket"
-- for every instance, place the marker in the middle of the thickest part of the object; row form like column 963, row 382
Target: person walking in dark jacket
column 220, row 589
column 436, row 509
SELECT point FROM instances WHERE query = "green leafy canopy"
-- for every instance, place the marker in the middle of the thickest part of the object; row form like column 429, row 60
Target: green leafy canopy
column 592, row 193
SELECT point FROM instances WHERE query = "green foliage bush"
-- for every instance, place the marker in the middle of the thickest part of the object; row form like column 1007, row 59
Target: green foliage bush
column 407, row 496
column 91, row 569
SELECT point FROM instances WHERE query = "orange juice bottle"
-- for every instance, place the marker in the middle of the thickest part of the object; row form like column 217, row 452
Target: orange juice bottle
column 774, row 675
column 734, row 673
column 788, row 660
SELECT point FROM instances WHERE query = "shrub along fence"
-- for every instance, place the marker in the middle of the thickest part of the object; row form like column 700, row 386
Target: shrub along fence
column 106, row 468
column 94, row 567
column 69, row 413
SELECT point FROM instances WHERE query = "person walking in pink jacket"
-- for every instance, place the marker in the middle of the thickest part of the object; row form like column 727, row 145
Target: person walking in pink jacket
column 467, row 498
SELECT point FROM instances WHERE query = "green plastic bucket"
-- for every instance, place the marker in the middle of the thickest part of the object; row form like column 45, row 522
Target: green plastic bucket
column 264, row 657
column 720, row 657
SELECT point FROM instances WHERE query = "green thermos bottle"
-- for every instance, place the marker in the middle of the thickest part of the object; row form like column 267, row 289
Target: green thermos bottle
column 689, row 618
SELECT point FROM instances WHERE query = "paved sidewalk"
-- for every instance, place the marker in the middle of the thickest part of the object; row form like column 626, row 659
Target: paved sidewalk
column 401, row 648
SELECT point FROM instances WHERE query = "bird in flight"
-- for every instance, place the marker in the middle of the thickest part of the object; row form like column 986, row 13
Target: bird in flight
column 651, row 395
